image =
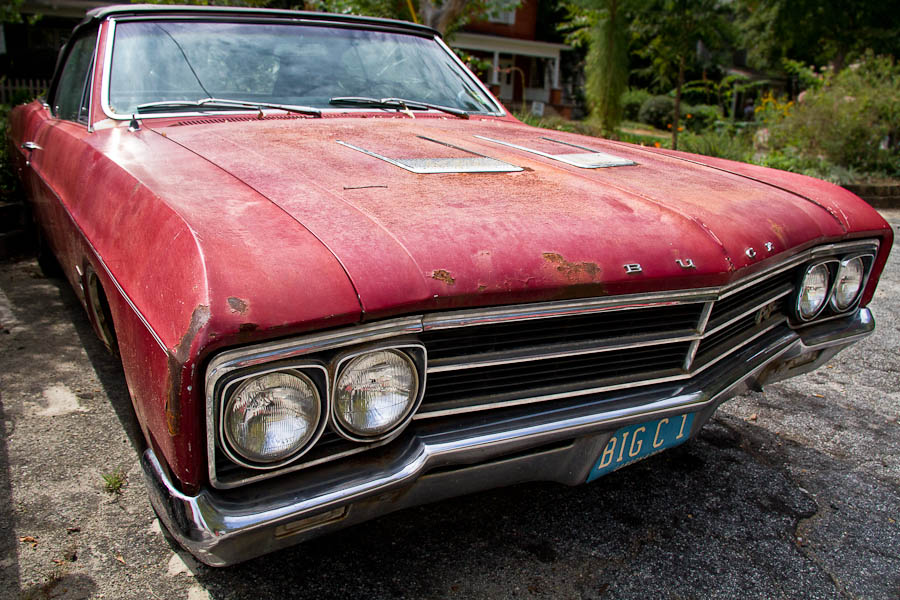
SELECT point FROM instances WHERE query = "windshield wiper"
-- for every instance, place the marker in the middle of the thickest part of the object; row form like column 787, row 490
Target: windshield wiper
column 224, row 104
column 398, row 103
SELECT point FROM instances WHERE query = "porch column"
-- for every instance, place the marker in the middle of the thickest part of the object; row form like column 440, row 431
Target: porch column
column 495, row 72
column 556, row 73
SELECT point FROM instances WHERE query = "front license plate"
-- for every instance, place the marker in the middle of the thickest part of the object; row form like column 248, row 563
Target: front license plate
column 631, row 444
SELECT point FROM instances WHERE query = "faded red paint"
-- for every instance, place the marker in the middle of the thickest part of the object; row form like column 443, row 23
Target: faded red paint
column 225, row 232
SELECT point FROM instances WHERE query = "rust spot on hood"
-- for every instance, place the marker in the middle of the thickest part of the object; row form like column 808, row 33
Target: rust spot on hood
column 238, row 305
column 443, row 275
column 178, row 356
column 573, row 271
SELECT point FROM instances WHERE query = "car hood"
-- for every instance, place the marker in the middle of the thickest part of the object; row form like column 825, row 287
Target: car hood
column 546, row 230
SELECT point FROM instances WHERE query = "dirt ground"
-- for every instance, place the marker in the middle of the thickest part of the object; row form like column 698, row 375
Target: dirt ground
column 791, row 492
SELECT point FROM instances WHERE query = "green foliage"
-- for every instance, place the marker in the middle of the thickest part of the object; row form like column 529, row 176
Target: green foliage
column 632, row 100
column 603, row 27
column 11, row 12
column 816, row 31
column 719, row 143
column 8, row 180
column 657, row 111
column 700, row 117
column 851, row 121
column 114, row 482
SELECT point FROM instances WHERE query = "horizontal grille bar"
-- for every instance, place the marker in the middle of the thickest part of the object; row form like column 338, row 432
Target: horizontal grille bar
column 495, row 383
column 446, row 344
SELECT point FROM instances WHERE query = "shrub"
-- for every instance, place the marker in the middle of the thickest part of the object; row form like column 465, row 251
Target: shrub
column 700, row 117
column 657, row 111
column 721, row 144
column 632, row 100
column 851, row 121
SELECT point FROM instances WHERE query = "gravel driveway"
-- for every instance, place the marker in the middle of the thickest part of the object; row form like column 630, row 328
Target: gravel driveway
column 792, row 492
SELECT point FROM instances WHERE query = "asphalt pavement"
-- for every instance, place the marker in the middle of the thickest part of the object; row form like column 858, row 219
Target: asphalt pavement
column 793, row 492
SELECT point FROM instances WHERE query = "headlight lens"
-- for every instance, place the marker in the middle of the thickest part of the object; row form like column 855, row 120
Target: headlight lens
column 813, row 291
column 272, row 416
column 375, row 392
column 848, row 283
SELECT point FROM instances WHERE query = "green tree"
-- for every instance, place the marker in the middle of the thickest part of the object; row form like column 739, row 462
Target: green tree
column 602, row 26
column 669, row 32
column 816, row 31
column 444, row 15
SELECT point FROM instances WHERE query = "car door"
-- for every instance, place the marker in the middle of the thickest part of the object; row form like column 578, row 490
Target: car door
column 57, row 150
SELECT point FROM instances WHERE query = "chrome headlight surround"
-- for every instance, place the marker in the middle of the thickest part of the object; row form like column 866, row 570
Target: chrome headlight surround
column 414, row 355
column 865, row 262
column 829, row 267
column 315, row 375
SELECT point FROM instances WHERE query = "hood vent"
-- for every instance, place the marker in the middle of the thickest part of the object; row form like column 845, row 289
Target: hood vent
column 590, row 159
column 471, row 163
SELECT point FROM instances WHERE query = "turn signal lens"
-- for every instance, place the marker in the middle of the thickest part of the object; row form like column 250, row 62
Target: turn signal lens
column 813, row 292
column 272, row 416
column 375, row 392
column 848, row 283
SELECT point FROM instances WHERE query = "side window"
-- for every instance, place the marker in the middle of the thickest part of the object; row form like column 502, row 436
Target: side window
column 70, row 101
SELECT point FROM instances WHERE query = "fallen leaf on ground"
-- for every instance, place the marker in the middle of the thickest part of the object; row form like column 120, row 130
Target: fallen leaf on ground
column 753, row 417
column 28, row 539
column 120, row 559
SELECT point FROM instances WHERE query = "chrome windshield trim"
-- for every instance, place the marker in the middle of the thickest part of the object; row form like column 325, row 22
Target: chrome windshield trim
column 107, row 65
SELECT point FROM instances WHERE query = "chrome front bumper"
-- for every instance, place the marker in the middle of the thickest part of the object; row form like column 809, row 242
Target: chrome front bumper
column 559, row 443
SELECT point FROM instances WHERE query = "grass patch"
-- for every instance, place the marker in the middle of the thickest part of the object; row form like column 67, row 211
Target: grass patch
column 114, row 483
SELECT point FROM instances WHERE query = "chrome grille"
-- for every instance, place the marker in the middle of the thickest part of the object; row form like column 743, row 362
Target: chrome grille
column 484, row 366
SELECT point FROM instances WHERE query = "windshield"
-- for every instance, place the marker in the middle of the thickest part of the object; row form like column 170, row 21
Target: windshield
column 281, row 64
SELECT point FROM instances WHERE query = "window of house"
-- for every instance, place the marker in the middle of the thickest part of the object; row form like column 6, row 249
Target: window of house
column 503, row 18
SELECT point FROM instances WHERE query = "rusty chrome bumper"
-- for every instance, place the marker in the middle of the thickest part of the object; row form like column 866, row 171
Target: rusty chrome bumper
column 223, row 527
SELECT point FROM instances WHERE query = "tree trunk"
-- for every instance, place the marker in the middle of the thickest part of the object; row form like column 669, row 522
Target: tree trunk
column 677, row 103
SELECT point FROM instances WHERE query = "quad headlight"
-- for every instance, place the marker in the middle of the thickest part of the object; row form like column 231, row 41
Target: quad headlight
column 374, row 394
column 813, row 291
column 272, row 416
column 848, row 283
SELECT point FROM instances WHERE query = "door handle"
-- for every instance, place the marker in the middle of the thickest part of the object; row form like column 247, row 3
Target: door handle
column 30, row 146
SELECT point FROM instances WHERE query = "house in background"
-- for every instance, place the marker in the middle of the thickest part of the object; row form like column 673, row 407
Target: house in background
column 28, row 52
column 524, row 69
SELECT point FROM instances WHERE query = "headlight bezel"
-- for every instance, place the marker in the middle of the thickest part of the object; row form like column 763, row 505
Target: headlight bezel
column 415, row 353
column 829, row 309
column 866, row 263
column 830, row 265
column 315, row 374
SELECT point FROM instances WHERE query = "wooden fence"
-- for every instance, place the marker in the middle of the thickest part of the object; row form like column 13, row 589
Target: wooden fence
column 21, row 89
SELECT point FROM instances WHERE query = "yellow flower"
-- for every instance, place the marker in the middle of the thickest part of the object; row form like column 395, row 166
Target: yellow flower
column 669, row 126
column 688, row 116
column 681, row 129
column 656, row 144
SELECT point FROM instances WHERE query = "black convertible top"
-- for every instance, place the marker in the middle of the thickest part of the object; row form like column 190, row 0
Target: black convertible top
column 139, row 10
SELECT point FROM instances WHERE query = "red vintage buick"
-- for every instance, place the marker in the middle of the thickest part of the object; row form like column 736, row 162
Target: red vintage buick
column 343, row 280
